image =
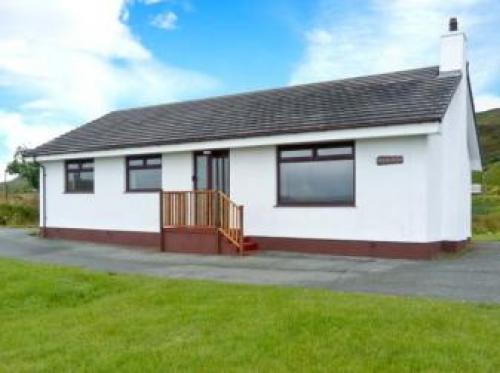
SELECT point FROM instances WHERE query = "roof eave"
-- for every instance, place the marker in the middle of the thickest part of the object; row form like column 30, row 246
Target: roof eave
column 339, row 134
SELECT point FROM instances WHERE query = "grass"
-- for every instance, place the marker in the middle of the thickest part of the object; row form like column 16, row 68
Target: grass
column 492, row 175
column 64, row 319
column 487, row 236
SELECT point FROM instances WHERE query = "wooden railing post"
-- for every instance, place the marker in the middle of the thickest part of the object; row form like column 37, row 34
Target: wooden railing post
column 240, row 211
column 162, row 223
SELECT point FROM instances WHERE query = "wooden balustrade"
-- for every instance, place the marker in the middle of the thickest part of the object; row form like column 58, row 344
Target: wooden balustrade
column 203, row 208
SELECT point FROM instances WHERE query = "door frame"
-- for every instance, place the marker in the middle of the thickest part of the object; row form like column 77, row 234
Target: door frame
column 210, row 155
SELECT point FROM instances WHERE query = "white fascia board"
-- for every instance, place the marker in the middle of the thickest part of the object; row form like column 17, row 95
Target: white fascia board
column 320, row 136
column 473, row 146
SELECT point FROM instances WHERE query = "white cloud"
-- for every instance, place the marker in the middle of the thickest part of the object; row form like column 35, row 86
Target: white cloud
column 71, row 61
column 16, row 132
column 185, row 5
column 399, row 34
column 487, row 102
column 166, row 21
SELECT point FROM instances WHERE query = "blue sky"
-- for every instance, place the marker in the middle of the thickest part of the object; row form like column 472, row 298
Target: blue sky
column 244, row 44
column 63, row 62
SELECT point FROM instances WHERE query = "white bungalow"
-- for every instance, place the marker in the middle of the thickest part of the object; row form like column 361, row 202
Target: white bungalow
column 376, row 165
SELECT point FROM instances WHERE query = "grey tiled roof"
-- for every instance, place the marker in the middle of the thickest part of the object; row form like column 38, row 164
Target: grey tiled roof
column 413, row 96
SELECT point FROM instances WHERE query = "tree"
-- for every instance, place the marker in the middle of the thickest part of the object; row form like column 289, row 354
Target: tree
column 27, row 170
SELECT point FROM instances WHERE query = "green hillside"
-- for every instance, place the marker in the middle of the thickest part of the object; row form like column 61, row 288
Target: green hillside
column 17, row 185
column 489, row 134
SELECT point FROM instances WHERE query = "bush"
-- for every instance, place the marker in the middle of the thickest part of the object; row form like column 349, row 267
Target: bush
column 18, row 214
column 486, row 203
column 486, row 224
column 492, row 175
column 486, row 207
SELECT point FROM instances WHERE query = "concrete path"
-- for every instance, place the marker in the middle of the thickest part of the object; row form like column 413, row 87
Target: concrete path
column 474, row 275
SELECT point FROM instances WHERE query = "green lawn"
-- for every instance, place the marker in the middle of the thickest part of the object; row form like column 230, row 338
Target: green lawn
column 487, row 237
column 54, row 319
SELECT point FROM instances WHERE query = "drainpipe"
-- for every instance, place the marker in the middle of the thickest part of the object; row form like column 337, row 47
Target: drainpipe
column 44, row 199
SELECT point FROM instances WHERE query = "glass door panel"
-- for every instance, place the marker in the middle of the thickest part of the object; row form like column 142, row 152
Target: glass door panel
column 201, row 177
column 212, row 171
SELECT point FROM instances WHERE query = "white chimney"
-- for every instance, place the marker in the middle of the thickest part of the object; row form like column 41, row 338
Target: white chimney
column 453, row 49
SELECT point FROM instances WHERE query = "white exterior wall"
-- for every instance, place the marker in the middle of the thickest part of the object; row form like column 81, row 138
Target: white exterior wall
column 177, row 171
column 424, row 199
column 391, row 200
column 450, row 168
column 109, row 207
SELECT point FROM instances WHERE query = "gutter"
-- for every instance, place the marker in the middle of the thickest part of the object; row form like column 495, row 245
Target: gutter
column 339, row 134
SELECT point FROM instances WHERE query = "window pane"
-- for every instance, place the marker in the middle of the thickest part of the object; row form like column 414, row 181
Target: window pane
column 344, row 150
column 201, row 172
column 153, row 161
column 226, row 176
column 71, row 182
column 80, row 181
column 88, row 165
column 296, row 153
column 85, row 181
column 135, row 162
column 218, row 171
column 144, row 179
column 73, row 166
column 215, row 173
column 317, row 182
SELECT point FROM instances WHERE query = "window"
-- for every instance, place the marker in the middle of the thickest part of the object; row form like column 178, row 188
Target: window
column 320, row 174
column 144, row 173
column 80, row 176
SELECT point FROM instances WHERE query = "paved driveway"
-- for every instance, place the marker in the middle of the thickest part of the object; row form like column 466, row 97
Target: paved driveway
column 474, row 275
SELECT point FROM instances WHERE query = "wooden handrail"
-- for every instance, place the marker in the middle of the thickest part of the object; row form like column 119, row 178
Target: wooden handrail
column 203, row 208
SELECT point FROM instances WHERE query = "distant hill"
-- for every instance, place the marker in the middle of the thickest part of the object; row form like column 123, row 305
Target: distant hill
column 489, row 134
column 17, row 185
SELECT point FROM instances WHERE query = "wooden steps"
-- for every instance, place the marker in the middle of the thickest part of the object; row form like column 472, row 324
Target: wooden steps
column 207, row 209
column 229, row 248
column 249, row 247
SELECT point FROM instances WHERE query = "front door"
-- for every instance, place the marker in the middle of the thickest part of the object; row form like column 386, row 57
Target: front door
column 211, row 170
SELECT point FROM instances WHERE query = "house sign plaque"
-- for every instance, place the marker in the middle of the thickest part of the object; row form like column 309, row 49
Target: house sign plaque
column 383, row 160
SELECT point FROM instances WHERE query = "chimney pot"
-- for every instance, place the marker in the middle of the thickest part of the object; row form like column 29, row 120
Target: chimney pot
column 453, row 24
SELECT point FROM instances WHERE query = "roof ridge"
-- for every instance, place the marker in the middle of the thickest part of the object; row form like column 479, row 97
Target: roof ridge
column 273, row 90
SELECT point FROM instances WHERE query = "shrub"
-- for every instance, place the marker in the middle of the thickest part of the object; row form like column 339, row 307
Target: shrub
column 486, row 224
column 486, row 207
column 18, row 214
